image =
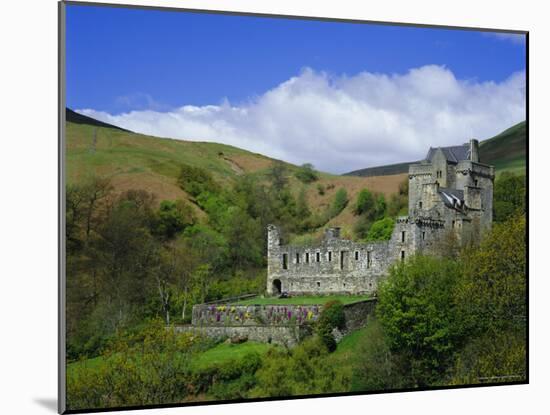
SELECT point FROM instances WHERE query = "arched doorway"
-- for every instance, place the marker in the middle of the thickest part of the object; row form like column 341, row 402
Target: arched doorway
column 276, row 287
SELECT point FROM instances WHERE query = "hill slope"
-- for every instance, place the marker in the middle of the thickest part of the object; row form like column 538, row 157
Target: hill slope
column 136, row 161
column 506, row 151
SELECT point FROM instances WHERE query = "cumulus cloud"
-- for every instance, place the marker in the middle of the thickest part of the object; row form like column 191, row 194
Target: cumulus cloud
column 344, row 123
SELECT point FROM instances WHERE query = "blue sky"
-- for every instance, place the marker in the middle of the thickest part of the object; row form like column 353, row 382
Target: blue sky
column 142, row 61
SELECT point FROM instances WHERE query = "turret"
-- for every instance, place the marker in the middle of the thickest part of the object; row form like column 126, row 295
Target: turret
column 273, row 237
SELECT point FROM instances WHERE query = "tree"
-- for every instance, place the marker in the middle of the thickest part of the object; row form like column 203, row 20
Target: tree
column 306, row 173
column 339, row 203
column 380, row 207
column 196, row 180
column 277, row 175
column 173, row 217
column 332, row 317
column 493, row 293
column 302, row 370
column 378, row 367
column 418, row 312
column 365, row 204
column 509, row 196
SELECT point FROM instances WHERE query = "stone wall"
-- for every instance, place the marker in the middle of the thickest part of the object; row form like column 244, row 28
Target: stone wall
column 288, row 336
column 221, row 315
column 285, row 325
column 358, row 314
column 335, row 266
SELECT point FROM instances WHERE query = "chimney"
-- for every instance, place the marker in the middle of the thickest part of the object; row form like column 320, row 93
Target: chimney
column 474, row 150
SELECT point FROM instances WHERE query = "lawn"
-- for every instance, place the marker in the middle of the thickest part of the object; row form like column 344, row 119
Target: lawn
column 211, row 357
column 226, row 351
column 304, row 300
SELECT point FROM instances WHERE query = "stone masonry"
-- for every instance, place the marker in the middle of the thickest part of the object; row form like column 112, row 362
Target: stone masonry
column 450, row 204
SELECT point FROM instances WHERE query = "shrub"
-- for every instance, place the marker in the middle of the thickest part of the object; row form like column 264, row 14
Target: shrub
column 365, row 203
column 306, row 174
column 320, row 189
column 381, row 230
column 339, row 203
column 195, row 180
column 332, row 316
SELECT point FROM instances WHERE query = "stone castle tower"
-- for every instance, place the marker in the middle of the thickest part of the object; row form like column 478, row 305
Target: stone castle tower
column 450, row 204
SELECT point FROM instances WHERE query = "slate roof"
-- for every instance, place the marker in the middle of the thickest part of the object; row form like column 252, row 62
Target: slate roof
column 452, row 198
column 454, row 154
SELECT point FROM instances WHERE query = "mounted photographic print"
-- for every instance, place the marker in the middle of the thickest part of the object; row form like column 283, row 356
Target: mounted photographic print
column 260, row 207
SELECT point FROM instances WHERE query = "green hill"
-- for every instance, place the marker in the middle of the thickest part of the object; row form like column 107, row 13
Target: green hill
column 137, row 161
column 506, row 151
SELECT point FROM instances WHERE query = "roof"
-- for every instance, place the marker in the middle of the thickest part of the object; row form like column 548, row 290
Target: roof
column 452, row 198
column 454, row 154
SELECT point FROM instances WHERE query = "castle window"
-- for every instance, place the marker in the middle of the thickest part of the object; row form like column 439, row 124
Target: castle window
column 307, row 257
column 423, row 235
column 403, row 236
column 330, row 256
column 318, row 284
column 402, row 255
column 475, row 182
column 368, row 259
column 317, row 257
column 453, row 224
column 342, row 259
column 297, row 258
column 285, row 261
column 420, row 204
column 357, row 255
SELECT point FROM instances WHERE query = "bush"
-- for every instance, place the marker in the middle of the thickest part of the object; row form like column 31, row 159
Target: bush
column 320, row 189
column 332, row 316
column 306, row 174
column 365, row 203
column 509, row 196
column 195, row 180
column 146, row 368
column 381, row 230
column 303, row 370
column 339, row 203
column 378, row 367
column 173, row 217
column 418, row 312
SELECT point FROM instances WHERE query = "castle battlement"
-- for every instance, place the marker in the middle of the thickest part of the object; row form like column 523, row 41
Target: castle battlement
column 450, row 194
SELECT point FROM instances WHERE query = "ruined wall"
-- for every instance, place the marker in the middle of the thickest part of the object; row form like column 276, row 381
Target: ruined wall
column 285, row 325
column 336, row 266
column 288, row 336
column 252, row 315
column 358, row 314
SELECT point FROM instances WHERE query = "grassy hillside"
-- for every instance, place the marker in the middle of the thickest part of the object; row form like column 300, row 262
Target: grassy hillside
column 506, row 151
column 136, row 161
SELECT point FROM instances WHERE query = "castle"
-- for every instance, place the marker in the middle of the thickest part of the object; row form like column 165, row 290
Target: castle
column 450, row 204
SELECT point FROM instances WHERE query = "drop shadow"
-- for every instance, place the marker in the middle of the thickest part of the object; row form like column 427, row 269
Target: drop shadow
column 48, row 403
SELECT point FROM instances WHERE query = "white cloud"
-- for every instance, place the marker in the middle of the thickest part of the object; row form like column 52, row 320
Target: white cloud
column 347, row 122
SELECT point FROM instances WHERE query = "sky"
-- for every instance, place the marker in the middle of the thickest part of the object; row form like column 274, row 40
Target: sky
column 342, row 96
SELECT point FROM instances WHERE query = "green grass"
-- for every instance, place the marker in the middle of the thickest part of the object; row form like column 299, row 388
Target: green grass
column 303, row 300
column 507, row 151
column 224, row 352
column 211, row 357
column 92, row 364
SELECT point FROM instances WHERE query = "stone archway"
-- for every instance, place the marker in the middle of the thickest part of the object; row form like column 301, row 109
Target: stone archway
column 277, row 287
